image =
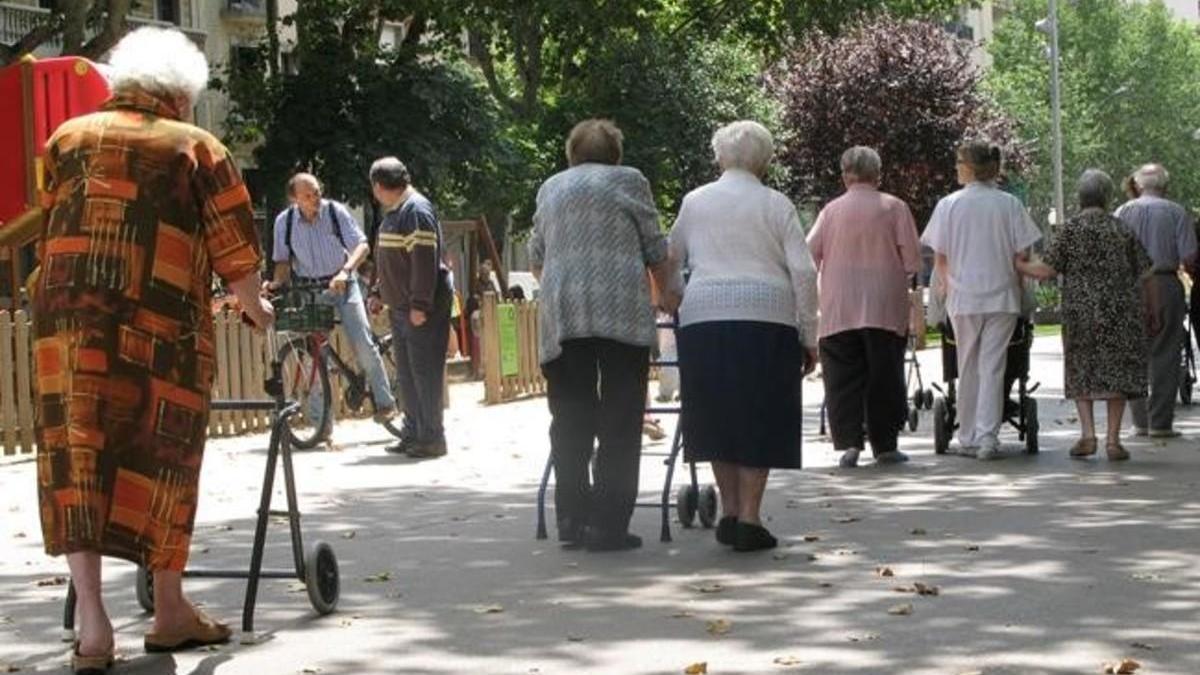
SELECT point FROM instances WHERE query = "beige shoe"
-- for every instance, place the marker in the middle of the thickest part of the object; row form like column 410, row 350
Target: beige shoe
column 1084, row 447
column 1117, row 452
column 203, row 632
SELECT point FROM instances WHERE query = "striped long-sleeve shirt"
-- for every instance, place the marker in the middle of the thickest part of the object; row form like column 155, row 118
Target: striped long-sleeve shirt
column 409, row 254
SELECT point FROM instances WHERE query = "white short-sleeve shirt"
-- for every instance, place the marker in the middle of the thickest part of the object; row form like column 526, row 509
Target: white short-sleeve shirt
column 980, row 229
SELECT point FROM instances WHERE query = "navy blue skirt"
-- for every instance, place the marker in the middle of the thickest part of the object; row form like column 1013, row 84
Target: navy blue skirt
column 740, row 387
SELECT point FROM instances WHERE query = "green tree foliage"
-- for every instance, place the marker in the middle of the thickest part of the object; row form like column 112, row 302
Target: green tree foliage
column 903, row 87
column 1130, row 91
column 350, row 101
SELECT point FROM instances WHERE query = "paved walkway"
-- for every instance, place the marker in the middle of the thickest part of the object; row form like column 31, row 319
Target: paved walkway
column 1043, row 564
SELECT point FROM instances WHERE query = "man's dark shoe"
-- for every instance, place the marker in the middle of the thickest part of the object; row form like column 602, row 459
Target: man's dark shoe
column 402, row 447
column 727, row 530
column 751, row 537
column 427, row 450
column 597, row 540
column 571, row 533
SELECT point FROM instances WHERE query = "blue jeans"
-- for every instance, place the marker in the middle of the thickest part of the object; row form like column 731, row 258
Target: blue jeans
column 356, row 327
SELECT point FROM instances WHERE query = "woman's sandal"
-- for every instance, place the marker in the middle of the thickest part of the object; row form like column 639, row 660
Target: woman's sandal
column 1084, row 447
column 1117, row 452
column 91, row 665
column 203, row 632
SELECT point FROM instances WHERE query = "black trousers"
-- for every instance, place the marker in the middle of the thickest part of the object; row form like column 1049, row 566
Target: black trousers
column 420, row 354
column 864, row 375
column 597, row 392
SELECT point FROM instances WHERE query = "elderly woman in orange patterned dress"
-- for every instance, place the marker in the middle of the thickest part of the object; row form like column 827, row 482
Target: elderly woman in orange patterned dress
column 142, row 209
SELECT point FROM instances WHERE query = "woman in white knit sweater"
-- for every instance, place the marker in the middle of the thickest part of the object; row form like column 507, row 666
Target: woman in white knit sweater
column 748, row 329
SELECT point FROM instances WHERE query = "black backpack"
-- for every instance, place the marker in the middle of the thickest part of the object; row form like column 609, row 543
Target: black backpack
column 333, row 216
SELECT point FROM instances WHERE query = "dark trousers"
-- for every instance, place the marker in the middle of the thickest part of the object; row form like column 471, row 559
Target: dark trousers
column 420, row 354
column 864, row 375
column 597, row 392
column 1158, row 413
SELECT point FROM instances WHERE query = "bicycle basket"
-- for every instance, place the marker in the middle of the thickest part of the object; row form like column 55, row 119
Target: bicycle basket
column 298, row 311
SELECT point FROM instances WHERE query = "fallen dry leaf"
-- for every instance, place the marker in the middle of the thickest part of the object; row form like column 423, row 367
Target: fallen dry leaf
column 683, row 614
column 379, row 578
column 1136, row 645
column 1122, row 667
column 297, row 587
column 844, row 520
column 489, row 609
column 697, row 669
column 787, row 661
column 9, row 668
column 5, row 620
column 794, row 503
column 718, row 626
column 310, row 670
column 810, row 538
column 812, row 557
column 825, row 505
column 52, row 581
column 884, row 572
column 972, row 547
column 780, row 555
column 708, row 587
column 825, row 584
column 19, row 535
column 574, row 638
column 972, row 672
column 918, row 532
column 919, row 588
column 349, row 535
column 863, row 637
column 901, row 610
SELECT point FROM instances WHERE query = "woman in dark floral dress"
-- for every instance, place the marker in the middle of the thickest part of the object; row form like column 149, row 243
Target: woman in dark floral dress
column 1104, row 334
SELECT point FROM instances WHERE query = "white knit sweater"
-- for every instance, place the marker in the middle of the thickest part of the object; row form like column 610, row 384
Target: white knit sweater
column 743, row 246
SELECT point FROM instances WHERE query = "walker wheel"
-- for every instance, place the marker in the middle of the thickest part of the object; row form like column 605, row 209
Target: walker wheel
column 941, row 426
column 709, row 502
column 144, row 587
column 928, row 399
column 321, row 578
column 918, row 399
column 914, row 418
column 1185, row 389
column 686, row 502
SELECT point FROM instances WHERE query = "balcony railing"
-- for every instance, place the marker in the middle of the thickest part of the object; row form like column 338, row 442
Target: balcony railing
column 17, row 20
column 244, row 10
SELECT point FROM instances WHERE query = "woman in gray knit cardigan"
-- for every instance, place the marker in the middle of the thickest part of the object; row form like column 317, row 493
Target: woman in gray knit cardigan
column 748, row 329
column 595, row 233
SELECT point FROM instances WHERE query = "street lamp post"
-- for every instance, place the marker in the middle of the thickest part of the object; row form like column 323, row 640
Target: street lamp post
column 1049, row 26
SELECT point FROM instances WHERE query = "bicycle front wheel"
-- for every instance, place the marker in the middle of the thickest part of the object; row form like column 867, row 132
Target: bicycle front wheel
column 395, row 426
column 306, row 381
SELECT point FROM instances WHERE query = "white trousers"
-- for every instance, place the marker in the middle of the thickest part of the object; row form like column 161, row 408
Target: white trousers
column 982, row 356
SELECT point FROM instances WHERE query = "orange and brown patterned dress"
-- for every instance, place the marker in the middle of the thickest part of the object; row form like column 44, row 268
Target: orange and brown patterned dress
column 142, row 210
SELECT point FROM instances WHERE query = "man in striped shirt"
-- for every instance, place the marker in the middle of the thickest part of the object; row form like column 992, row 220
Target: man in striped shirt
column 318, row 241
column 415, row 284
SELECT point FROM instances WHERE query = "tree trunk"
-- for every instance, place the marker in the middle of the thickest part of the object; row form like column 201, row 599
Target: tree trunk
column 273, row 38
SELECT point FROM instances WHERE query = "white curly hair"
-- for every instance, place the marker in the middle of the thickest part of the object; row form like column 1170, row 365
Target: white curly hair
column 744, row 144
column 161, row 61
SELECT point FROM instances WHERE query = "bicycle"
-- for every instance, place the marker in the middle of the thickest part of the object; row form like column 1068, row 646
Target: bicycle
column 307, row 357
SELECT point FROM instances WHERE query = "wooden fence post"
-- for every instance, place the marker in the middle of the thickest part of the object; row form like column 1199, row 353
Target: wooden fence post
column 8, row 408
column 491, row 350
column 25, row 388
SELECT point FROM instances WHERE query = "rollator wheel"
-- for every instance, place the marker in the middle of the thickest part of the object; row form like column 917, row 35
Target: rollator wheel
column 686, row 502
column 321, row 578
column 1031, row 426
column 918, row 399
column 929, row 399
column 914, row 418
column 941, row 426
column 1185, row 390
column 709, row 503
column 144, row 588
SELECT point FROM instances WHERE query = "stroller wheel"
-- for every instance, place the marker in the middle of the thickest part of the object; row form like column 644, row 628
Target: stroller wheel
column 709, row 503
column 914, row 418
column 941, row 426
column 321, row 578
column 144, row 589
column 1031, row 425
column 686, row 502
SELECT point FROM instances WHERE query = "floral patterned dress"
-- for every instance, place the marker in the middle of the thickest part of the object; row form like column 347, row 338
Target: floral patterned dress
column 1105, row 346
column 142, row 209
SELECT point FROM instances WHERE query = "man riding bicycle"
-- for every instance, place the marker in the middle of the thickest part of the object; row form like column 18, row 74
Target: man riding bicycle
column 318, row 241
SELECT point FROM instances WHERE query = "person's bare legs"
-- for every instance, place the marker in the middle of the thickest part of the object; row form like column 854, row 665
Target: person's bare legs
column 751, row 485
column 727, row 483
column 172, row 611
column 1087, row 418
column 1116, row 411
column 95, row 632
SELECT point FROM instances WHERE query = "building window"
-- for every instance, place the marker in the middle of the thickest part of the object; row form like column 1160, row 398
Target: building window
column 244, row 61
column 48, row 4
column 167, row 10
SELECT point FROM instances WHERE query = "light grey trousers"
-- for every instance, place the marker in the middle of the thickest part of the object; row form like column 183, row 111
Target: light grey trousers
column 1158, row 413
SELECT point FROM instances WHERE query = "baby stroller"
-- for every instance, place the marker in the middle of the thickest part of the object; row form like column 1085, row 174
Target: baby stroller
column 1020, row 413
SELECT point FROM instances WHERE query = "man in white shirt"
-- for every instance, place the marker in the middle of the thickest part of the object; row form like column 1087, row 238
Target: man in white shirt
column 977, row 234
